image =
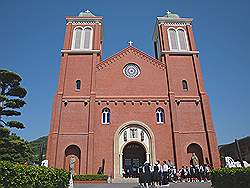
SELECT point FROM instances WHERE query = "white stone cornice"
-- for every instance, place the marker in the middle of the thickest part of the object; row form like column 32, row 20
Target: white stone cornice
column 80, row 51
column 178, row 21
column 83, row 20
column 180, row 52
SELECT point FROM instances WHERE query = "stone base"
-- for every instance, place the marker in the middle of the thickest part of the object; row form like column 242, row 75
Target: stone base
column 125, row 180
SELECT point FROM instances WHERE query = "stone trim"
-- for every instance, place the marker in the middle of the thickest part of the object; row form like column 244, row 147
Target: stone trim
column 83, row 20
column 74, row 51
column 172, row 21
column 181, row 52
column 133, row 102
column 116, row 143
column 128, row 50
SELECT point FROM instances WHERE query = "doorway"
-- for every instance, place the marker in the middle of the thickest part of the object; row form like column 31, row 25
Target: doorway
column 134, row 156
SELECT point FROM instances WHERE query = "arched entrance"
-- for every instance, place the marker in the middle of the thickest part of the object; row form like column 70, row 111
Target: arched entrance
column 195, row 148
column 73, row 153
column 132, row 134
column 134, row 155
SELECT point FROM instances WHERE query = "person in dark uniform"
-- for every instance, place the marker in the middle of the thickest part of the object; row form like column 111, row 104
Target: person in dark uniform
column 188, row 173
column 192, row 173
column 146, row 174
column 156, row 177
column 197, row 173
column 165, row 173
column 207, row 172
column 182, row 172
column 141, row 176
column 159, row 173
column 201, row 173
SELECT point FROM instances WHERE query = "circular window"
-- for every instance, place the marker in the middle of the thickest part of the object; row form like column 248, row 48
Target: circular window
column 131, row 70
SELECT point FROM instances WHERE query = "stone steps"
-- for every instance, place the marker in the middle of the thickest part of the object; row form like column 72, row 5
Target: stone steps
column 125, row 180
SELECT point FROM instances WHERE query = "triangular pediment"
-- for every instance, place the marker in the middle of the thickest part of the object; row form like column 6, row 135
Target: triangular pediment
column 130, row 50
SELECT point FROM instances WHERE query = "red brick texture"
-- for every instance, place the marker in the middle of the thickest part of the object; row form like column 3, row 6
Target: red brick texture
column 76, row 115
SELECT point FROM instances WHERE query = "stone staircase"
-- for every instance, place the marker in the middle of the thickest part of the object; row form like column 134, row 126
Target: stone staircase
column 125, row 180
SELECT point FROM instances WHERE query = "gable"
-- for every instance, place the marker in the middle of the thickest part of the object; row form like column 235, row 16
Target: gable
column 130, row 50
column 111, row 79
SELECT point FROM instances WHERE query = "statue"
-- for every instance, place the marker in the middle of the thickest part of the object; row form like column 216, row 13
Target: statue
column 72, row 170
column 72, row 165
column 195, row 160
column 101, row 168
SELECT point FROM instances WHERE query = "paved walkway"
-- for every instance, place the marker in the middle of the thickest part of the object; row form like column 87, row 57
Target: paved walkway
column 130, row 185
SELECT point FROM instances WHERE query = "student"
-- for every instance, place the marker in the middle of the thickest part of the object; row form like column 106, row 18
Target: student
column 182, row 173
column 174, row 174
column 156, row 174
column 188, row 173
column 147, row 174
column 201, row 173
column 197, row 172
column 165, row 173
column 192, row 173
column 141, row 176
column 159, row 173
column 207, row 172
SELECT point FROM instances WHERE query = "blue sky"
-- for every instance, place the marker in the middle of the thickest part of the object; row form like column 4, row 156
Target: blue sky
column 32, row 32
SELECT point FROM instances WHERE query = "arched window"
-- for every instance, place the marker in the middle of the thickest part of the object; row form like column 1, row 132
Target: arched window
column 87, row 38
column 78, row 84
column 77, row 38
column 173, row 41
column 159, row 116
column 177, row 39
column 82, row 38
column 182, row 39
column 184, row 85
column 105, row 116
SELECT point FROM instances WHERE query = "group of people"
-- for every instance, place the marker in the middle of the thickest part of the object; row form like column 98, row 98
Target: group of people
column 155, row 175
column 161, row 174
column 192, row 173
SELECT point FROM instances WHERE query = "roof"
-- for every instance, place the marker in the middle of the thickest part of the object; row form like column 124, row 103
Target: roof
column 86, row 13
column 171, row 15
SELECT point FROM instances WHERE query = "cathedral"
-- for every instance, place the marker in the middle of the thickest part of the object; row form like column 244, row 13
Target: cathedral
column 130, row 108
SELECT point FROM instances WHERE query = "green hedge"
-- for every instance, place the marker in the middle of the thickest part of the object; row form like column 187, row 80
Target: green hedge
column 231, row 178
column 16, row 175
column 89, row 177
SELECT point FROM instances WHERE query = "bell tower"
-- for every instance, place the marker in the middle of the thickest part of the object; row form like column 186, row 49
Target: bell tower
column 191, row 119
column 73, row 108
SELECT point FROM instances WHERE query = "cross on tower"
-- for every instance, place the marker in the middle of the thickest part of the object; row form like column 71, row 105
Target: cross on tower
column 87, row 11
column 168, row 12
column 130, row 43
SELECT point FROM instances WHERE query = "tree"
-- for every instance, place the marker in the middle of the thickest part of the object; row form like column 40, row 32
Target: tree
column 12, row 147
column 11, row 98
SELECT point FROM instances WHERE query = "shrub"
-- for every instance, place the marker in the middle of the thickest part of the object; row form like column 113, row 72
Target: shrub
column 16, row 175
column 231, row 177
column 89, row 177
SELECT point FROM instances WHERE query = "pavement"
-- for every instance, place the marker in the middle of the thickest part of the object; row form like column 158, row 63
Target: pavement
column 132, row 185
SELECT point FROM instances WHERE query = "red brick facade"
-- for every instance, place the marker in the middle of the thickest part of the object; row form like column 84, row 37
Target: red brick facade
column 76, row 124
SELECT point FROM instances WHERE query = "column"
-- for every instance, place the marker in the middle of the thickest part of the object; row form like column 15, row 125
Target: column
column 120, row 159
column 148, row 157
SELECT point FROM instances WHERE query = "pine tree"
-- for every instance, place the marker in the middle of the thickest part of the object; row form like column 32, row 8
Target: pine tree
column 11, row 98
column 12, row 147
